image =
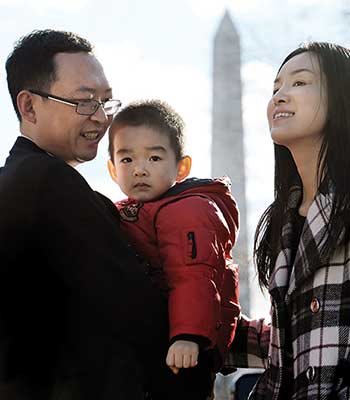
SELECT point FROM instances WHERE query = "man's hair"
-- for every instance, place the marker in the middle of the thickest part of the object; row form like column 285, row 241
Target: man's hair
column 31, row 63
column 154, row 114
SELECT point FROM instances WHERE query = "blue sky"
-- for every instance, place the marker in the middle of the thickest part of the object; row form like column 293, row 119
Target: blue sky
column 162, row 49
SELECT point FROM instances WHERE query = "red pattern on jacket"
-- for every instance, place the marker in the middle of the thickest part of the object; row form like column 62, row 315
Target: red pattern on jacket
column 189, row 233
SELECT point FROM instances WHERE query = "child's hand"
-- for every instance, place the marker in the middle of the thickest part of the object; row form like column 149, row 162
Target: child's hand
column 182, row 354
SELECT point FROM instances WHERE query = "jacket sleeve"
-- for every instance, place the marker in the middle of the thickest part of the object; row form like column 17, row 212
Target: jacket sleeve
column 250, row 346
column 193, row 238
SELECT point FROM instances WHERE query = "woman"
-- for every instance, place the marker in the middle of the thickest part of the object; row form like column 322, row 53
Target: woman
column 302, row 240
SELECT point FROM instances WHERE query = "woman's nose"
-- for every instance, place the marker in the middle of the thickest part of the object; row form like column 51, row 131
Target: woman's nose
column 281, row 96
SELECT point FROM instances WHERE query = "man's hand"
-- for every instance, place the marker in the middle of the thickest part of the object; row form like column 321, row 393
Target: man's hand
column 182, row 354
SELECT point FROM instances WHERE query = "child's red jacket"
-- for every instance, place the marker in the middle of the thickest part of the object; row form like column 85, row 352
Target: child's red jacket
column 189, row 233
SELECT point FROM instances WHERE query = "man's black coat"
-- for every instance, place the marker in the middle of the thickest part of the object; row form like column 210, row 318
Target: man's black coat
column 79, row 317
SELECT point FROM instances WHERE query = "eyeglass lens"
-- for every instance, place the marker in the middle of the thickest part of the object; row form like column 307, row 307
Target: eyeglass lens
column 90, row 107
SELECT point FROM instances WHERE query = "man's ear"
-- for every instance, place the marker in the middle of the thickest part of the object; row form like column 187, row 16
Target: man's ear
column 25, row 104
column 183, row 168
column 112, row 170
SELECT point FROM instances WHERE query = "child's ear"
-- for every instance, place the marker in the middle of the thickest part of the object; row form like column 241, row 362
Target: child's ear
column 112, row 170
column 183, row 168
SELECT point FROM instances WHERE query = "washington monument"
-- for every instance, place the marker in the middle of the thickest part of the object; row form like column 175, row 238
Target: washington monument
column 227, row 151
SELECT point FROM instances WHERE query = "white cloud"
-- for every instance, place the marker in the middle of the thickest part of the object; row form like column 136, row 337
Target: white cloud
column 237, row 8
column 208, row 8
column 43, row 6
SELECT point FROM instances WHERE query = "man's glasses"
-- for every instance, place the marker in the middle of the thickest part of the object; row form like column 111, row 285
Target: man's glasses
column 84, row 107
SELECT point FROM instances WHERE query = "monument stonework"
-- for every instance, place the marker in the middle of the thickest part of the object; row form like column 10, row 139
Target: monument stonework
column 227, row 150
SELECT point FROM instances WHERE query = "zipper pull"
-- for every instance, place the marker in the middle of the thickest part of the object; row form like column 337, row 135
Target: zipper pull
column 192, row 242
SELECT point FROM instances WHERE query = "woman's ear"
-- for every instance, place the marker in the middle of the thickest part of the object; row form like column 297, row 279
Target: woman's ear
column 25, row 104
column 112, row 170
column 183, row 168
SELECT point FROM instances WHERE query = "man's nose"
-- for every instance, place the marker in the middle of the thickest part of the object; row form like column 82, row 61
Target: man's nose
column 100, row 115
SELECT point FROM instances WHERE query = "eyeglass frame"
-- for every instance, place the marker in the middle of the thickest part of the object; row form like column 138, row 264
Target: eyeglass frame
column 76, row 103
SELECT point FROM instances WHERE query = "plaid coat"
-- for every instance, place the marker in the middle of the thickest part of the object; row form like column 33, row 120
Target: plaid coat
column 310, row 307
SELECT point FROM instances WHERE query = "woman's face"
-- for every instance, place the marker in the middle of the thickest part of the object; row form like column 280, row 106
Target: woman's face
column 297, row 110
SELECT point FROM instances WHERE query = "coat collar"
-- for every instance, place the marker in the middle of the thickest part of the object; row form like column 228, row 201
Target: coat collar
column 286, row 277
column 314, row 234
column 23, row 143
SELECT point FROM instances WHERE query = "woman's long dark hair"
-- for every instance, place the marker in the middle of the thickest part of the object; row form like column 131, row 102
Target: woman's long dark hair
column 334, row 61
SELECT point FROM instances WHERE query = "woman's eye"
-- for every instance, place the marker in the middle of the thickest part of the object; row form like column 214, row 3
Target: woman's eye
column 299, row 83
column 155, row 158
column 125, row 160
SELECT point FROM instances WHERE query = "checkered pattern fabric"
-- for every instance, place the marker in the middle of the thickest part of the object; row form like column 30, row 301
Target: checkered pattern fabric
column 309, row 333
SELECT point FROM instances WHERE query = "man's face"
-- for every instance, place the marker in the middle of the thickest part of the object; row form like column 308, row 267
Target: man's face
column 59, row 129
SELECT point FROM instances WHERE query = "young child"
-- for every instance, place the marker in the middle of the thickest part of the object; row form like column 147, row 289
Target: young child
column 185, row 228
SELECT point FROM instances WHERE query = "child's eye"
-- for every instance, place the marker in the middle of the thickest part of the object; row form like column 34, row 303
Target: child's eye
column 275, row 90
column 155, row 158
column 125, row 160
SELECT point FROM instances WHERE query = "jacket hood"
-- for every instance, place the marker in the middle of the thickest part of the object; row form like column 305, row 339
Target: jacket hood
column 217, row 189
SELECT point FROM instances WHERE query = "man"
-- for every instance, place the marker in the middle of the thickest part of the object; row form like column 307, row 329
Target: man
column 79, row 317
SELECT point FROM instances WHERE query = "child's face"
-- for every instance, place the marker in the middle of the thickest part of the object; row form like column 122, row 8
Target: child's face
column 144, row 162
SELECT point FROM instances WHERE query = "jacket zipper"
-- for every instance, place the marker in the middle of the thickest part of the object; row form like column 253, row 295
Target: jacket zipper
column 192, row 240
